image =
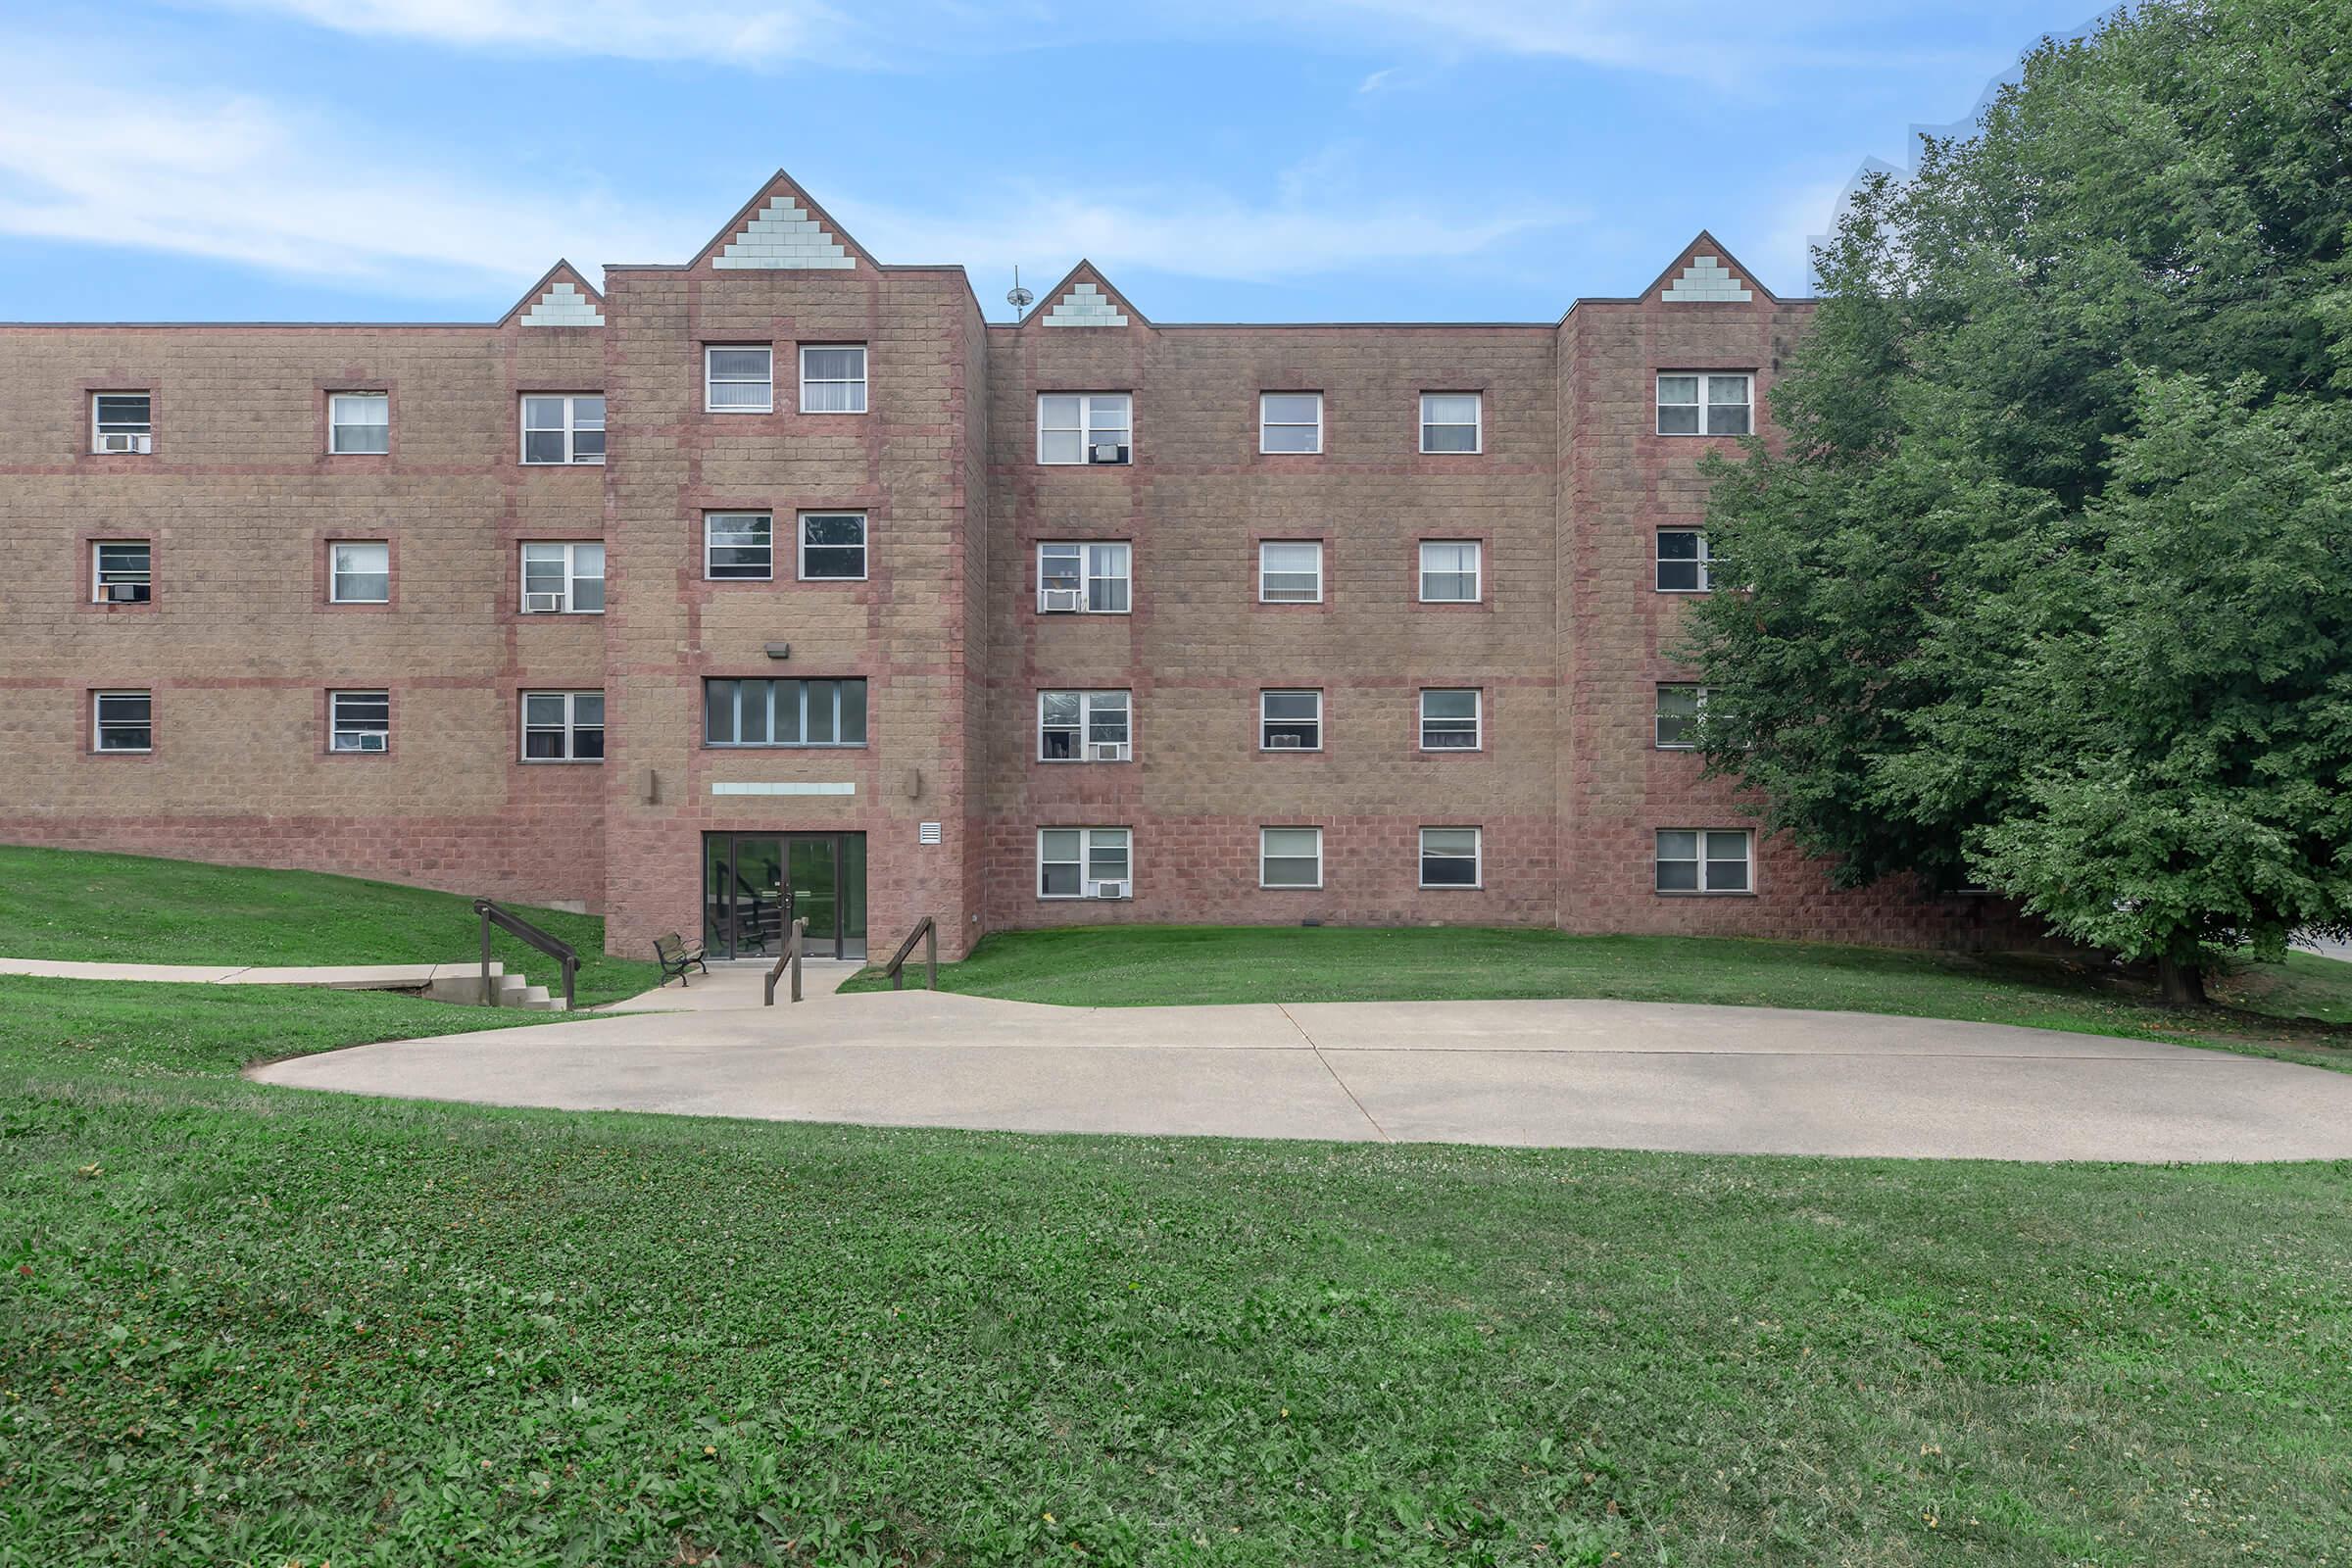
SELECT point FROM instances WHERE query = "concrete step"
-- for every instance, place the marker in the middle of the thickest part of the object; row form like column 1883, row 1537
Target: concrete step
column 505, row 991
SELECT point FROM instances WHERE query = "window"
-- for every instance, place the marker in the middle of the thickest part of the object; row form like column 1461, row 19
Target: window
column 1678, row 715
column 359, row 574
column 1083, row 726
column 1289, row 422
column 1725, row 411
column 1083, row 427
column 358, row 422
column 359, row 721
column 563, row 726
column 1083, row 577
column 122, row 571
column 564, row 579
column 738, row 379
column 122, row 421
column 738, row 545
column 832, row 546
column 784, row 713
column 563, row 429
column 1452, row 421
column 1682, row 560
column 125, row 721
column 1290, row 573
column 1450, row 572
column 1290, row 857
column 1451, row 857
column 833, row 378
column 1078, row 862
column 1702, row 861
column 1449, row 720
column 1290, row 721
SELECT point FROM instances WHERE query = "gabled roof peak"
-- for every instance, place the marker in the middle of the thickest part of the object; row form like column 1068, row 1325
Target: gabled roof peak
column 1707, row 273
column 561, row 298
column 781, row 229
column 1085, row 298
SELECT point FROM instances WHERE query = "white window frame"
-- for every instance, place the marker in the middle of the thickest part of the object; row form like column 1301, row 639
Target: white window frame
column 570, row 429
column 1087, row 880
column 801, row 547
column 1706, row 577
column 1707, row 403
column 1478, row 860
column 1660, row 715
column 100, row 582
column 99, row 726
column 337, row 728
column 335, row 426
column 1265, row 720
column 573, row 576
column 1478, row 570
column 1085, row 429
column 1263, row 858
column 1121, row 550
column 708, row 575
column 1083, row 741
column 336, row 574
column 570, row 730
column 838, row 683
column 1703, row 858
column 710, row 381
column 1263, row 571
column 99, row 426
column 1266, row 424
column 1478, row 718
column 1478, row 426
column 807, row 380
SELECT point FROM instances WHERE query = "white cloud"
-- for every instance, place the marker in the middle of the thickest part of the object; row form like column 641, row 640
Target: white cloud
column 1377, row 81
column 751, row 32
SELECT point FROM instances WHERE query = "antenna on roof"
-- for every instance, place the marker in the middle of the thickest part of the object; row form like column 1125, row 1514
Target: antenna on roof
column 1019, row 298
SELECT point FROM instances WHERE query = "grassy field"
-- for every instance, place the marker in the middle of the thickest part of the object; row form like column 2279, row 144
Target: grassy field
column 69, row 904
column 2302, row 1008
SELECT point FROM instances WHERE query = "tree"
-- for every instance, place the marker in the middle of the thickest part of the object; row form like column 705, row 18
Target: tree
column 2046, row 588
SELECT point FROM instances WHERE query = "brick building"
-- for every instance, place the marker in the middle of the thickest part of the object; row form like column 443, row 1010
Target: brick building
column 780, row 579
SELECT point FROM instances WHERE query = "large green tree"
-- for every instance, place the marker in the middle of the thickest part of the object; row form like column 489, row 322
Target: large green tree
column 2050, row 586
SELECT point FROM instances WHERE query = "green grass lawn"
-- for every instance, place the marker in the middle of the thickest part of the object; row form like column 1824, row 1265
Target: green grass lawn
column 2302, row 1008
column 71, row 904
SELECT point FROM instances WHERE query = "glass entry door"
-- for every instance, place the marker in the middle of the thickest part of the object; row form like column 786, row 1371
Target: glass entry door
column 755, row 885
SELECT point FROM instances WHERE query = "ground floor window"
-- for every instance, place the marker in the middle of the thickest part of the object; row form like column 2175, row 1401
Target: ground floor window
column 1704, row 861
column 1451, row 857
column 359, row 721
column 125, row 721
column 563, row 726
column 1084, row 863
column 1290, row 858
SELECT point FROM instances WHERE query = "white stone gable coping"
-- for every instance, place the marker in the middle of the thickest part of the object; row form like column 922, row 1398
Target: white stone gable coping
column 1086, row 306
column 1706, row 278
column 563, row 305
column 783, row 237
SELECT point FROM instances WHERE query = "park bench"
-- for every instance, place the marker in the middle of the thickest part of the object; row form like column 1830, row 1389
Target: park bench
column 676, row 957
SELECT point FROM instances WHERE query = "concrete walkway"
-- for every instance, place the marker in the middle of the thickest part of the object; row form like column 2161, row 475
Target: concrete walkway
column 1606, row 1074
column 334, row 976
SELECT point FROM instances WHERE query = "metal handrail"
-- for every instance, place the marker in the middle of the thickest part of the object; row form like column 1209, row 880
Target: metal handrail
column 926, row 931
column 789, row 956
column 523, row 930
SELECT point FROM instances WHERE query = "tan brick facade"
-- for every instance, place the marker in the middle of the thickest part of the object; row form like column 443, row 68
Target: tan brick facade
column 241, row 504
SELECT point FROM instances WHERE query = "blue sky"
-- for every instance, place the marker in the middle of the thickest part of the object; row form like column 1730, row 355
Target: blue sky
column 1221, row 160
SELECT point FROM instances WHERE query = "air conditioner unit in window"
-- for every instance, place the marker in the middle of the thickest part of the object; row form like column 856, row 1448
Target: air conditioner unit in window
column 1110, row 890
column 363, row 740
column 127, row 593
column 1107, row 453
column 1058, row 601
column 1277, row 742
column 1106, row 751
column 542, row 603
column 125, row 442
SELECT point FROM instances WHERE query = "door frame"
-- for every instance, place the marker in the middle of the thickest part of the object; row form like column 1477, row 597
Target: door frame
column 838, row 945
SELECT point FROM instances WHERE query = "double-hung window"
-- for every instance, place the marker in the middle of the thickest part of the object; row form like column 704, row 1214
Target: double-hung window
column 1450, row 572
column 738, row 379
column 1682, row 560
column 1290, row 721
column 122, row 721
column 359, row 424
column 563, row 726
column 359, row 572
column 1449, row 719
column 1082, row 863
column 1084, row 427
column 563, row 579
column 1679, row 707
column 1087, row 578
column 1704, row 861
column 784, row 713
column 1289, row 422
column 123, row 422
column 1452, row 421
column 832, row 547
column 1290, row 857
column 569, row 428
column 738, row 545
column 122, row 571
column 833, row 378
column 1084, row 727
column 1451, row 857
column 359, row 721
column 1290, row 573
column 1704, row 404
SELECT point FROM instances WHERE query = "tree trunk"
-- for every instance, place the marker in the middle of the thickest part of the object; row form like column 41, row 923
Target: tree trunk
column 2183, row 982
